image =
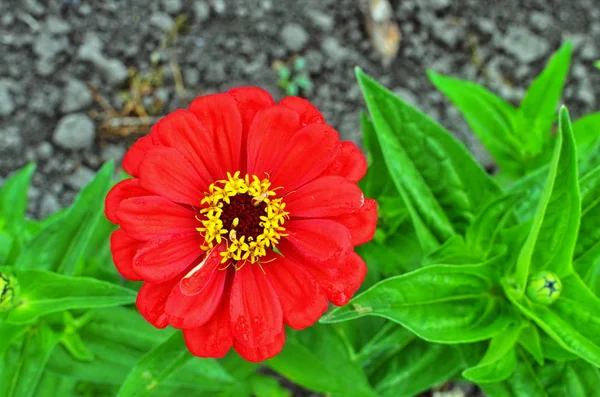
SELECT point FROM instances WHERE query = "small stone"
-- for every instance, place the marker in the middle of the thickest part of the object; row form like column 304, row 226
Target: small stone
column 76, row 96
column 589, row 52
column 219, row 6
column 294, row 36
column 113, row 152
column 80, row 178
column 201, row 10
column 75, row 131
column 172, row 6
column 162, row 21
column 34, row 8
column 10, row 139
column 439, row 5
column 524, row 45
column 540, row 20
column 44, row 150
column 334, row 50
column 191, row 77
column 85, row 9
column 47, row 46
column 57, row 26
column 48, row 205
column 7, row 105
column 450, row 34
column 321, row 20
column 314, row 61
column 112, row 69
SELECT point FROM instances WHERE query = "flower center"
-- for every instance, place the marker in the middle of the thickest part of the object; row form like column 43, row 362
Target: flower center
column 245, row 214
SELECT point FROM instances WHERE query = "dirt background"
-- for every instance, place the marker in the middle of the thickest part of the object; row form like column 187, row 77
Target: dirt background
column 155, row 56
column 78, row 77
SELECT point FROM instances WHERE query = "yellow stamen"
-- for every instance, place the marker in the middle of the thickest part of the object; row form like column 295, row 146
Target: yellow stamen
column 241, row 248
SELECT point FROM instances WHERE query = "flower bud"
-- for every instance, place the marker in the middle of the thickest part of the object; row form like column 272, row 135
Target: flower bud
column 544, row 287
column 9, row 291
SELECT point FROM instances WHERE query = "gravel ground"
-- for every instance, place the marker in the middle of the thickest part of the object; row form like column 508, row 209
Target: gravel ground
column 60, row 58
column 69, row 68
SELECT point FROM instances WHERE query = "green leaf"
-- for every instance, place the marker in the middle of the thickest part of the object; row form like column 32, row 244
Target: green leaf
column 388, row 342
column 13, row 197
column 44, row 292
column 440, row 303
column 586, row 259
column 61, row 245
column 168, row 359
column 417, row 368
column 35, row 351
column 491, row 118
column 538, row 107
column 52, row 385
column 485, row 229
column 9, row 333
column 530, row 340
column 265, row 386
column 552, row 238
column 524, row 382
column 499, row 361
column 572, row 321
column 6, row 242
column 439, row 181
column 453, row 252
column 586, row 131
column 318, row 359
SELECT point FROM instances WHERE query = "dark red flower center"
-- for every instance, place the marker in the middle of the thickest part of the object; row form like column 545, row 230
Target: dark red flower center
column 248, row 213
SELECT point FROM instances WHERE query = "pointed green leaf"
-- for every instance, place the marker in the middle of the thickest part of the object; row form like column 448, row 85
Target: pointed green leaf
column 388, row 342
column 496, row 215
column 171, row 360
column 572, row 320
column 13, row 197
column 35, row 351
column 491, row 118
column 453, row 252
column 587, row 132
column 9, row 333
column 318, row 359
column 499, row 361
column 538, row 107
column 440, row 303
column 416, row 368
column 552, row 238
column 586, row 259
column 61, row 245
column 439, row 181
column 44, row 292
column 530, row 340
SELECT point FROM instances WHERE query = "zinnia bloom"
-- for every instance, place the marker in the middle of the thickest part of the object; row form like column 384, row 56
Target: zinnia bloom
column 242, row 216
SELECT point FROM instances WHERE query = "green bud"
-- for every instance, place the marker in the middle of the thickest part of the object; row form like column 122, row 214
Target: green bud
column 9, row 292
column 544, row 288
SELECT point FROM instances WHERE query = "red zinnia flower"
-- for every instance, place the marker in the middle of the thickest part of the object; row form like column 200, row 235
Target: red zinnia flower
column 241, row 216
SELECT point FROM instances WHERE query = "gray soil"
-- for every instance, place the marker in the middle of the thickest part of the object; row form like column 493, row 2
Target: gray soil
column 53, row 51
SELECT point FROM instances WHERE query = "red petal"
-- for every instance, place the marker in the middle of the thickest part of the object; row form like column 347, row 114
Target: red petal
column 342, row 282
column 362, row 223
column 249, row 101
column 320, row 240
column 185, row 311
column 311, row 151
column 123, row 249
column 213, row 339
column 198, row 277
column 164, row 257
column 270, row 134
column 301, row 297
column 151, row 302
column 348, row 162
column 219, row 113
column 144, row 218
column 324, row 196
column 121, row 191
column 262, row 352
column 167, row 173
column 308, row 113
column 256, row 316
column 183, row 131
column 135, row 155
